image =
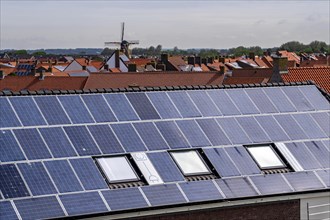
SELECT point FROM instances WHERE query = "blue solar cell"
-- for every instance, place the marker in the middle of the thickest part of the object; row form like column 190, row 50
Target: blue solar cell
column 37, row 178
column 63, row 176
column 151, row 136
column 166, row 167
column 99, row 108
column 88, row 173
column 76, row 109
column 82, row 140
column 236, row 187
column 291, row 127
column 253, row 129
column 272, row 128
column 184, row 104
column 193, row 133
column 223, row 102
column 57, row 142
column 310, row 127
column 83, row 203
column 326, row 144
column 303, row 156
column 315, row 97
column 214, row 133
column 121, row 107
column 128, row 137
column 324, row 175
column 320, row 152
column 323, row 120
column 302, row 181
column 39, row 208
column 142, row 106
column 7, row 211
column 52, row 110
column 243, row 160
column 32, row 144
column 166, row 194
column 271, row 184
column 123, row 199
column 9, row 150
column 204, row 103
column 172, row 134
column 261, row 100
column 164, row 106
column 200, row 191
column 297, row 98
column 242, row 101
column 234, row 131
column 221, row 162
column 9, row 119
column 105, row 139
column 279, row 99
column 27, row 111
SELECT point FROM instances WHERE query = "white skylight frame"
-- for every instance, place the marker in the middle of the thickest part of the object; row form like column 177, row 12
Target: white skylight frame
column 190, row 163
column 266, row 157
column 117, row 169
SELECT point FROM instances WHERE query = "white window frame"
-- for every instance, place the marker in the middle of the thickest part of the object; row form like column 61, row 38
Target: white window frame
column 270, row 146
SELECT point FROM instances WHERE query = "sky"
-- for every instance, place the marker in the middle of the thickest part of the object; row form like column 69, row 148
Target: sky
column 185, row 24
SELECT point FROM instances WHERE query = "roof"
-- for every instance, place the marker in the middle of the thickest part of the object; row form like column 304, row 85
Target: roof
column 244, row 80
column 55, row 168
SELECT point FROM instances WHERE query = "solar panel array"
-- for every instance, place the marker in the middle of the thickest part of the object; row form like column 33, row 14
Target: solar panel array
column 47, row 145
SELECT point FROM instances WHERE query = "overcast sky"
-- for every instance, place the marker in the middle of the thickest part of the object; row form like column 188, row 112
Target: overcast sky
column 186, row 24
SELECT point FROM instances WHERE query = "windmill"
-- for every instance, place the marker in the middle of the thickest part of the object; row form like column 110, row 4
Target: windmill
column 124, row 44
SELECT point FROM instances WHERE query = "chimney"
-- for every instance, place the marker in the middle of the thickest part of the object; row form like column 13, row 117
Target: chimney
column 204, row 61
column 191, row 60
column 280, row 66
column 210, row 60
column 2, row 76
column 42, row 75
column 117, row 58
column 164, row 58
column 106, row 67
column 84, row 67
column 56, row 61
column 222, row 60
column 252, row 56
column 161, row 67
column 198, row 60
column 131, row 67
column 222, row 69
column 33, row 71
column 152, row 63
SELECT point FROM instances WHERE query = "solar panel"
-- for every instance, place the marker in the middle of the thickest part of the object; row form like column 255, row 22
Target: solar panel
column 233, row 131
column 151, row 136
column 166, row 194
column 121, row 107
column 279, row 99
column 200, row 191
column 99, row 108
column 193, row 133
column 303, row 156
column 297, row 98
column 88, row 173
column 9, row 119
column 253, row 129
column 314, row 96
column 52, row 110
column 32, row 144
column 37, row 178
column 166, row 167
column 204, row 103
column 7, row 211
column 128, row 137
column 63, row 176
column 76, row 109
column 319, row 151
column 164, row 105
column 122, row 199
column 271, row 184
column 323, row 120
column 326, row 144
column 83, row 203
column 242, row 101
column 9, row 150
column 310, row 127
column 184, row 104
column 302, row 181
column 260, row 99
column 223, row 102
column 27, row 111
column 324, row 175
column 272, row 128
column 243, row 160
column 39, row 208
column 291, row 127
column 142, row 106
column 172, row 134
column 236, row 187
column 213, row 132
column 221, row 162
column 82, row 140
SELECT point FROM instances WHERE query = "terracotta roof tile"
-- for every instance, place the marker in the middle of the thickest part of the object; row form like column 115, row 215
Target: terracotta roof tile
column 245, row 80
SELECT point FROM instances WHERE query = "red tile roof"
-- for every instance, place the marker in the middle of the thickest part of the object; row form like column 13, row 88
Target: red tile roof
column 245, row 80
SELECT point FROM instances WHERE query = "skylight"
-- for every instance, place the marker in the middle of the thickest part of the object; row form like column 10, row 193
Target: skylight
column 266, row 157
column 190, row 163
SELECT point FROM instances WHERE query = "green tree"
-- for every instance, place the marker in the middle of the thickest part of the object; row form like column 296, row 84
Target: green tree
column 21, row 52
column 39, row 53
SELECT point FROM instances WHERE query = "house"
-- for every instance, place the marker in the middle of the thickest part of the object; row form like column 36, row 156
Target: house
column 204, row 152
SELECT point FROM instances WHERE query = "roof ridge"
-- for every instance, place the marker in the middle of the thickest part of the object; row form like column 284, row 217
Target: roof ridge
column 310, row 67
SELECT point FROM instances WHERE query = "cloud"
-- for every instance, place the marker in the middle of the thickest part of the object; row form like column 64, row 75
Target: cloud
column 282, row 21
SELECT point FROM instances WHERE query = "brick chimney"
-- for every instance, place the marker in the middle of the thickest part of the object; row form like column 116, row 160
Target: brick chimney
column 198, row 60
column 84, row 67
column 164, row 58
column 191, row 60
column 2, row 76
column 42, row 75
column 222, row 69
column 204, row 61
column 210, row 60
column 117, row 56
column 280, row 66
column 131, row 67
column 222, row 59
column 161, row 67
column 106, row 67
column 252, row 56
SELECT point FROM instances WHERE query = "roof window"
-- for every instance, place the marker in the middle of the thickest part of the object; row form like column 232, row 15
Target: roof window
column 266, row 157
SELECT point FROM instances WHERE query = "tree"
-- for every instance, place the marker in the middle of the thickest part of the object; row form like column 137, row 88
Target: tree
column 107, row 52
column 39, row 53
column 293, row 46
column 21, row 52
column 316, row 46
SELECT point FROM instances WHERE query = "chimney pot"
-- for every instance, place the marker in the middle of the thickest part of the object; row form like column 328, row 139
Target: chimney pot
column 198, row 60
column 131, row 67
column 84, row 67
column 191, row 60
